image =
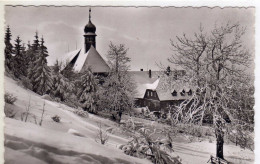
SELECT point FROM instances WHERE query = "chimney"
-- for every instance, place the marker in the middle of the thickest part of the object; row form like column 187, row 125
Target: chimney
column 141, row 69
column 150, row 73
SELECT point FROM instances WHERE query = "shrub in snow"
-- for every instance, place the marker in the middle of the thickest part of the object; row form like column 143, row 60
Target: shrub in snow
column 47, row 97
column 81, row 113
column 75, row 132
column 9, row 111
column 101, row 135
column 56, row 118
column 143, row 145
column 10, row 98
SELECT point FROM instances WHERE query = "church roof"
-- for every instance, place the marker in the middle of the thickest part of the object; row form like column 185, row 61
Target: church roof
column 84, row 60
column 91, row 59
column 68, row 57
column 90, row 27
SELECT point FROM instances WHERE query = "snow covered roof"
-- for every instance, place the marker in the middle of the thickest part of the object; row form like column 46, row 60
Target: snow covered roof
column 84, row 60
column 64, row 60
column 91, row 59
column 164, row 94
column 152, row 86
column 143, row 81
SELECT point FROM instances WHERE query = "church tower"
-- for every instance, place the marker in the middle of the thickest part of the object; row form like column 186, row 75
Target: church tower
column 90, row 35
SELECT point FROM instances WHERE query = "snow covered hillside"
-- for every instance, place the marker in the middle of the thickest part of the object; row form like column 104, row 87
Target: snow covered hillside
column 51, row 142
column 28, row 143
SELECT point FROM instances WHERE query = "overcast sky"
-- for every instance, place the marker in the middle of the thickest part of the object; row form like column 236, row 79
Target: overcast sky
column 145, row 31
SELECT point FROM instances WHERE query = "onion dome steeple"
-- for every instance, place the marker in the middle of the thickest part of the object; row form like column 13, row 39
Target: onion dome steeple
column 90, row 35
column 90, row 27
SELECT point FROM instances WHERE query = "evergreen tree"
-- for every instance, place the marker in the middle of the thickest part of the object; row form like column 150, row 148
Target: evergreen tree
column 19, row 67
column 32, row 55
column 87, row 89
column 8, row 50
column 42, row 79
column 27, row 56
column 59, row 83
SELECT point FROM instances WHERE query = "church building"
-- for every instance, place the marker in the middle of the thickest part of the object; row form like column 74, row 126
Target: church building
column 87, row 56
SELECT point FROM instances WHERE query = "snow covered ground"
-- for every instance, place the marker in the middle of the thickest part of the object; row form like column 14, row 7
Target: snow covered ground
column 28, row 143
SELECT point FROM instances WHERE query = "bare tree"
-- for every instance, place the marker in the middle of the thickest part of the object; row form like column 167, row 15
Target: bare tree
column 101, row 135
column 215, row 64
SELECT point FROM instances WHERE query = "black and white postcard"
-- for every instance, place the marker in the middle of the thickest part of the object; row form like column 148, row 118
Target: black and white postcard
column 111, row 84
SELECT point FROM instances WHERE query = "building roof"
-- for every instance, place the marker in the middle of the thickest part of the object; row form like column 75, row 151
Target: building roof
column 166, row 93
column 163, row 94
column 90, row 27
column 142, row 77
column 153, row 86
column 68, row 57
column 84, row 60
column 93, row 60
column 142, row 81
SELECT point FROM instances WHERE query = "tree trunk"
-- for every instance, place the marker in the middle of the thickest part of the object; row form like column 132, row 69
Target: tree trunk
column 119, row 116
column 220, row 139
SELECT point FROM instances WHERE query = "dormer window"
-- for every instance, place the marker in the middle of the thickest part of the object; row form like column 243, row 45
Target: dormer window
column 190, row 92
column 174, row 93
column 182, row 92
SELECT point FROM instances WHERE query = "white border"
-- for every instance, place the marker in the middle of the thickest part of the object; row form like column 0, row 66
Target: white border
column 167, row 3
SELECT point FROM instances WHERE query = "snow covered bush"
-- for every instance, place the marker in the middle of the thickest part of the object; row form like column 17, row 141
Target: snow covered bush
column 47, row 97
column 80, row 112
column 56, row 118
column 10, row 98
column 144, row 145
column 9, row 111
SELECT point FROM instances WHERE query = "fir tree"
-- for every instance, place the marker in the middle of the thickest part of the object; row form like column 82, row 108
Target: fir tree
column 28, row 54
column 19, row 67
column 8, row 50
column 42, row 83
column 59, row 83
column 87, row 88
column 32, row 55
